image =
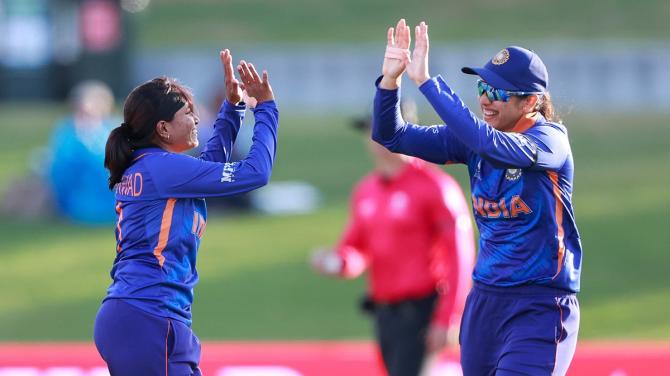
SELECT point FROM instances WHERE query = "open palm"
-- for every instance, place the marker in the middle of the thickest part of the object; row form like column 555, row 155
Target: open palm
column 394, row 67
column 254, row 85
column 233, row 88
column 417, row 70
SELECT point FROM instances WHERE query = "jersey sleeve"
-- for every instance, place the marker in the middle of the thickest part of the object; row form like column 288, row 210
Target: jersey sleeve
column 553, row 146
column 502, row 149
column 179, row 176
column 454, row 252
column 434, row 143
column 352, row 245
column 226, row 126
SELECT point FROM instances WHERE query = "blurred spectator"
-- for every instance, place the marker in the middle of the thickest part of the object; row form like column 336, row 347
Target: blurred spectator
column 76, row 175
column 410, row 227
column 68, row 178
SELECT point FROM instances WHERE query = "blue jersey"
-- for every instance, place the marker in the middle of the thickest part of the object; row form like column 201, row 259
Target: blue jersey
column 162, row 213
column 521, row 185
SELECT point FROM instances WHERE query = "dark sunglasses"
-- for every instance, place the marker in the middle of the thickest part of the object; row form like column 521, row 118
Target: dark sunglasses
column 494, row 94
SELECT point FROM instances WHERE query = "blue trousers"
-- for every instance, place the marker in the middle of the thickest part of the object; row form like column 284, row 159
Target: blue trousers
column 527, row 330
column 135, row 343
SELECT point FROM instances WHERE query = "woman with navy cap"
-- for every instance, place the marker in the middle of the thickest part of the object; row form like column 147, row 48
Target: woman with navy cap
column 522, row 315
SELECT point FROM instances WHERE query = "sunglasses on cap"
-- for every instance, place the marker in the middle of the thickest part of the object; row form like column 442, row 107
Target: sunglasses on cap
column 494, row 94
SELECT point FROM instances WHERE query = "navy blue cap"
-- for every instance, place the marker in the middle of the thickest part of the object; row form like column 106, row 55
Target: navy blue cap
column 515, row 69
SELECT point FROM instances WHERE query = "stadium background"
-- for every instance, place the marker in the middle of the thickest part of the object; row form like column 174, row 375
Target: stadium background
column 255, row 281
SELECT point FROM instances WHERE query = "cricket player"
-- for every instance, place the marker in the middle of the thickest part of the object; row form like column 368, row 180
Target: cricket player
column 143, row 327
column 522, row 315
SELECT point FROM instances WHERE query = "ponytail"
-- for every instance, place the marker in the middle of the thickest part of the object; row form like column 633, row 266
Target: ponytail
column 149, row 103
column 546, row 108
column 118, row 153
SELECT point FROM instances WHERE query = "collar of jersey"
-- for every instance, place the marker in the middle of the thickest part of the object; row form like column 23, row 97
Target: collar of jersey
column 139, row 153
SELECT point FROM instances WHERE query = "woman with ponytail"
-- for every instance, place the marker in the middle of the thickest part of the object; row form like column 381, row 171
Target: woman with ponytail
column 144, row 324
column 521, row 316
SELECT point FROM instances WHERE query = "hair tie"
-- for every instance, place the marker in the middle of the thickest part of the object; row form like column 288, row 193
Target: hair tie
column 126, row 130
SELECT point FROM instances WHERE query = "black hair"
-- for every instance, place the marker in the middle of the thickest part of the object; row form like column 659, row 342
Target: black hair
column 146, row 105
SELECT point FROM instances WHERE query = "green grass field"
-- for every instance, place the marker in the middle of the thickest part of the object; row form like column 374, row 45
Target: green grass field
column 210, row 22
column 255, row 282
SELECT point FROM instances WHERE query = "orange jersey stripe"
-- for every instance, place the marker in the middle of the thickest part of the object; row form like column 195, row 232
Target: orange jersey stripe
column 201, row 226
column 139, row 156
column 195, row 222
column 560, row 234
column 165, row 231
column 119, row 211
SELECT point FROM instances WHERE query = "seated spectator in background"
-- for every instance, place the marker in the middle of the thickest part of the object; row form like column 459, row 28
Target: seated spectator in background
column 76, row 175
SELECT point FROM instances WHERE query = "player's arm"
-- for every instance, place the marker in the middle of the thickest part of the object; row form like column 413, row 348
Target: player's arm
column 388, row 127
column 226, row 126
column 229, row 118
column 180, row 175
column 553, row 146
column 455, row 250
column 502, row 149
column 432, row 143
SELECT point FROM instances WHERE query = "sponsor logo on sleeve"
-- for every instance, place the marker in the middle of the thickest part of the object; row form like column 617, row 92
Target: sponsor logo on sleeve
column 522, row 140
column 228, row 174
column 478, row 171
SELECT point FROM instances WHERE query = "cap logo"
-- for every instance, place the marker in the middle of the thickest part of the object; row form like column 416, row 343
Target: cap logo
column 501, row 57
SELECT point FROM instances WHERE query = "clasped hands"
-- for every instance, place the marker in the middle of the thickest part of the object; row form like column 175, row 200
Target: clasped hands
column 397, row 58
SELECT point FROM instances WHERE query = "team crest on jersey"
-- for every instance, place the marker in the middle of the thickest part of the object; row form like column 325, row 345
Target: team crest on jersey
column 501, row 57
column 513, row 174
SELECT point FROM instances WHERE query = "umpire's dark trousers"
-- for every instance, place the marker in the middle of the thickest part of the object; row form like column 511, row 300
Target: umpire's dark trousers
column 401, row 330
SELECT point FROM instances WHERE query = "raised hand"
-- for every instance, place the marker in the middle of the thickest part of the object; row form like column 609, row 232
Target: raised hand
column 254, row 86
column 233, row 88
column 417, row 70
column 396, row 56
